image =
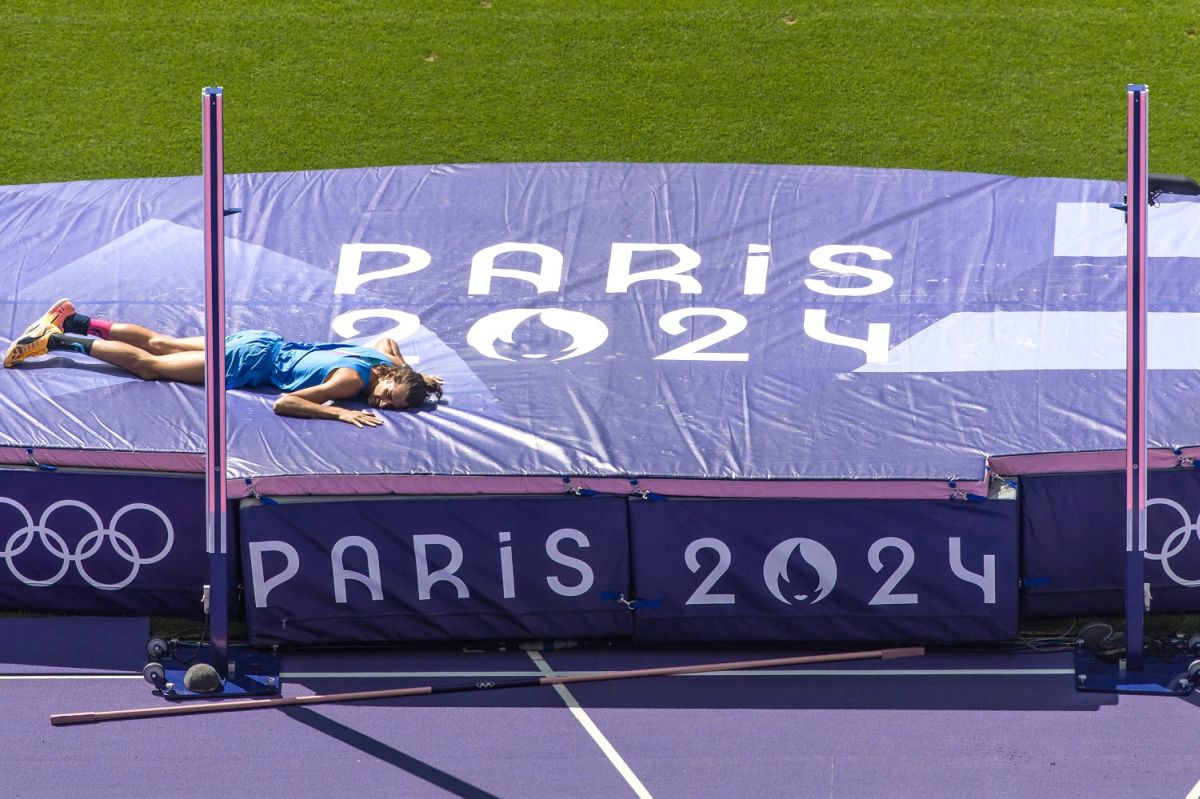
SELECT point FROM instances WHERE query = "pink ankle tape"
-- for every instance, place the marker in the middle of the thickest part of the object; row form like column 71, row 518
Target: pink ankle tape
column 99, row 327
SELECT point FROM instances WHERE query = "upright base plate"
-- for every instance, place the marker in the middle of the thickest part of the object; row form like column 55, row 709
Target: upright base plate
column 251, row 672
column 1174, row 675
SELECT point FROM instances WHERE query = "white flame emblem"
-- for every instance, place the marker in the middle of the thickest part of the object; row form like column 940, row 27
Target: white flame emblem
column 815, row 554
column 586, row 331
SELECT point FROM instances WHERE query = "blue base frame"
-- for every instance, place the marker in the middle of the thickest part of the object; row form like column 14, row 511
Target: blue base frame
column 250, row 672
column 1173, row 675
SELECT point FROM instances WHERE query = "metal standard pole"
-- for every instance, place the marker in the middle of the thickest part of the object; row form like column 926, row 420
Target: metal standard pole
column 216, row 493
column 1135, row 376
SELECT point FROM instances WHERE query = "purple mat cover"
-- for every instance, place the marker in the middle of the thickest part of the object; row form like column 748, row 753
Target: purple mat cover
column 725, row 329
column 711, row 331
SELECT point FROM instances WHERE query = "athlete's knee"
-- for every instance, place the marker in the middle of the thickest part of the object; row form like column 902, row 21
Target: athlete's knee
column 162, row 345
column 146, row 367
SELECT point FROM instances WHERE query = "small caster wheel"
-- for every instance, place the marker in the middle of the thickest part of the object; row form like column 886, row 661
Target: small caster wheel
column 155, row 674
column 1193, row 644
column 1193, row 671
column 156, row 648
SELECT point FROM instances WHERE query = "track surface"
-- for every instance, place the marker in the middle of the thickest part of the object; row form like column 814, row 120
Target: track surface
column 944, row 725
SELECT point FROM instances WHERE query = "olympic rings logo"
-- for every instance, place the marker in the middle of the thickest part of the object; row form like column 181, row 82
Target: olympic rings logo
column 89, row 545
column 1176, row 541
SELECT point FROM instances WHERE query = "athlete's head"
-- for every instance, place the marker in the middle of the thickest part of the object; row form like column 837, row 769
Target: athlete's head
column 399, row 387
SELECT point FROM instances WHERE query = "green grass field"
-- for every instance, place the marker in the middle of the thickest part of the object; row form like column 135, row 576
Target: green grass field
column 111, row 89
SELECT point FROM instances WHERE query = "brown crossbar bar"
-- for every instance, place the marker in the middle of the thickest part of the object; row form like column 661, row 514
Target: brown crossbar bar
column 65, row 719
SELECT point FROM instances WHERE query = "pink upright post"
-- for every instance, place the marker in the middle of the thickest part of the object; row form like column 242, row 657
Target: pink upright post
column 216, row 493
column 1137, row 200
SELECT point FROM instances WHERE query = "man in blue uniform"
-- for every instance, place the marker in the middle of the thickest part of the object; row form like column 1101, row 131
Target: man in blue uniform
column 310, row 375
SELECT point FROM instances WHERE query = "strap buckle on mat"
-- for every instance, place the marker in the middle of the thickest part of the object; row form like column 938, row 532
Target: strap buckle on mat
column 632, row 604
column 45, row 467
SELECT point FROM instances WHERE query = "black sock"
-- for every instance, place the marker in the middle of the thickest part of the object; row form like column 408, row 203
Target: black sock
column 63, row 341
column 77, row 324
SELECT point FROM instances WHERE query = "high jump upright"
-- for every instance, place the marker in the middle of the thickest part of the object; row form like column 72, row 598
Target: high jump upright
column 183, row 670
column 215, row 490
column 1175, row 668
column 1138, row 202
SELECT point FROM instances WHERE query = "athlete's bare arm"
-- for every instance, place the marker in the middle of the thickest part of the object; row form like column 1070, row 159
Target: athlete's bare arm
column 309, row 403
column 391, row 349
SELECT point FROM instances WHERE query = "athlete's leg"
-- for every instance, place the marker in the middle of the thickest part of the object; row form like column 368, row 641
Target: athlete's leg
column 64, row 316
column 180, row 366
column 134, row 348
column 152, row 341
column 184, row 366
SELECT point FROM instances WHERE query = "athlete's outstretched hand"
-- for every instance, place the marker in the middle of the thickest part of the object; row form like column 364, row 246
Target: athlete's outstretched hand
column 359, row 418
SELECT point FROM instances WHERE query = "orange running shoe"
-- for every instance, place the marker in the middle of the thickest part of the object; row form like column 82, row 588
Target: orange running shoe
column 57, row 316
column 33, row 342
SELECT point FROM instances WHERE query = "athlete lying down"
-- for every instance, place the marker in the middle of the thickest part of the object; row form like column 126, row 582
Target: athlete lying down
column 310, row 375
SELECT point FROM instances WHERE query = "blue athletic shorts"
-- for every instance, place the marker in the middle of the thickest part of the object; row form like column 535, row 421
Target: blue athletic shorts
column 250, row 358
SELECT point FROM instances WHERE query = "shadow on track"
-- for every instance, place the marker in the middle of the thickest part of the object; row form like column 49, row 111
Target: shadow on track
column 381, row 751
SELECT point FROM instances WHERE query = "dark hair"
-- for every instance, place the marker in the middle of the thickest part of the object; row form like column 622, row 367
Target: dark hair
column 417, row 387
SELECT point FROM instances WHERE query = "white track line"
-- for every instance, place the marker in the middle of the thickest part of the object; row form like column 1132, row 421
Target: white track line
column 582, row 717
column 471, row 675
column 1195, row 794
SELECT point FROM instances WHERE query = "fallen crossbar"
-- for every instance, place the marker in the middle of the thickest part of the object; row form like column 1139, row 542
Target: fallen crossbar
column 191, row 709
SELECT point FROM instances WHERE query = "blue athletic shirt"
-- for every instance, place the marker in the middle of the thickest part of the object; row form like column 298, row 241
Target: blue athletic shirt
column 263, row 358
